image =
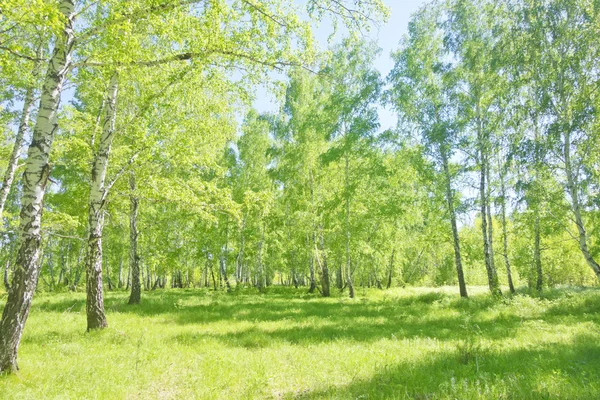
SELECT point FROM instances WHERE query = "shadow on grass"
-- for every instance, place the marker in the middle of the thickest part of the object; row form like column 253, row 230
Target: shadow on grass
column 352, row 325
column 308, row 319
column 566, row 371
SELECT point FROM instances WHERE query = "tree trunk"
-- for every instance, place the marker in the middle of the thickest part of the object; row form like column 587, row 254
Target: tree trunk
column 391, row 270
column 224, row 273
column 50, row 264
column 67, row 277
column 347, row 223
column 490, row 224
column 35, row 178
column 452, row 212
column 148, row 278
column 212, row 275
column 505, row 233
column 313, row 245
column 537, row 254
column 489, row 217
column 108, row 279
column 294, row 276
column 240, row 257
column 376, row 277
column 491, row 272
column 224, row 258
column 107, row 271
column 18, row 147
column 325, row 280
column 96, row 318
column 205, row 274
column 78, row 268
column 573, row 189
column 120, row 282
column 134, row 258
column 311, row 265
column 259, row 261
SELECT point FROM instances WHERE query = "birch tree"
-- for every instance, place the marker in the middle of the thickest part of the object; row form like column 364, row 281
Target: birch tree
column 356, row 87
column 35, row 179
column 424, row 93
column 563, row 33
column 469, row 39
column 23, row 125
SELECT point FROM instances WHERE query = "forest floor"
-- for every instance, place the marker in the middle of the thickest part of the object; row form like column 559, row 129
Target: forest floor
column 396, row 344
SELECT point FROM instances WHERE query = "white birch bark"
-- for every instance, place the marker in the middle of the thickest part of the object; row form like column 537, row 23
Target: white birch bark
column 573, row 185
column 347, row 227
column 452, row 212
column 573, row 189
column 96, row 318
column 487, row 248
column 134, row 258
column 35, row 178
column 13, row 161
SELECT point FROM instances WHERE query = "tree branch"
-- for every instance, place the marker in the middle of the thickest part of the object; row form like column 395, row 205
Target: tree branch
column 281, row 23
column 187, row 56
column 120, row 173
column 20, row 55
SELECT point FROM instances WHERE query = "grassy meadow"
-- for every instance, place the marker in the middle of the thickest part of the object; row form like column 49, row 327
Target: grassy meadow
column 286, row 344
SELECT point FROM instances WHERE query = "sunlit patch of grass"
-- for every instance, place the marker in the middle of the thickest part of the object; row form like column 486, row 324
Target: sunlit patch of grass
column 409, row 343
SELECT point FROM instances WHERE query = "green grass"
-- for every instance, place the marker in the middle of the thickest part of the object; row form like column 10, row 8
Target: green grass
column 398, row 344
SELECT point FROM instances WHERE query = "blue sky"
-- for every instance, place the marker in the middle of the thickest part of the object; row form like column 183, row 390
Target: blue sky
column 387, row 36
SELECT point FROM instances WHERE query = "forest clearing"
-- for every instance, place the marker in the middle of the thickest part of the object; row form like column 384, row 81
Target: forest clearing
column 285, row 344
column 348, row 199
